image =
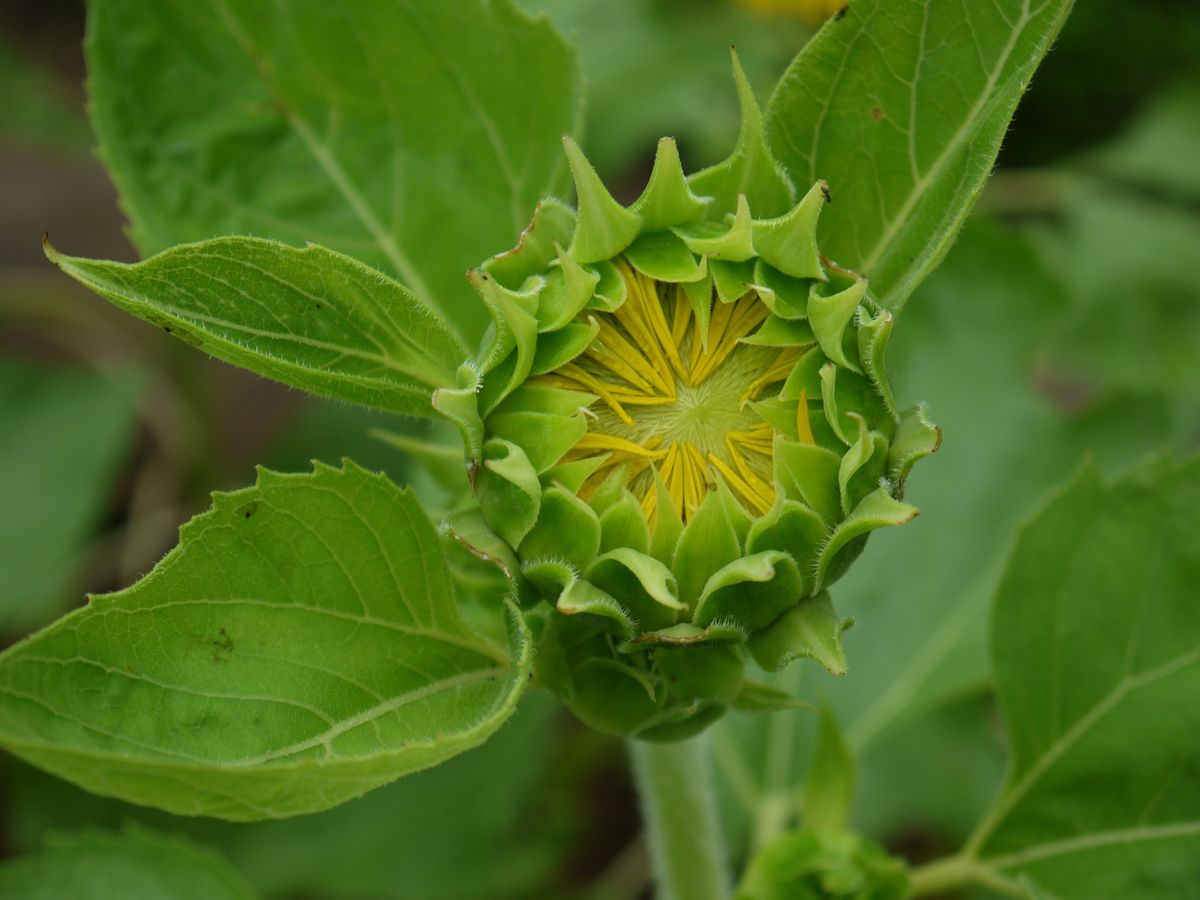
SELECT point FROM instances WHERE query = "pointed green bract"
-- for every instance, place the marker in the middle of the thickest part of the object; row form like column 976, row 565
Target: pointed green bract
column 829, row 316
column 751, row 169
column 708, row 544
column 789, row 243
column 916, row 438
column 622, row 525
column 879, row 509
column 751, row 591
column 568, row 289
column 510, row 493
column 665, row 257
column 603, row 227
column 809, row 630
column 582, row 598
column 286, row 608
column 734, row 242
column 567, row 529
column 667, row 199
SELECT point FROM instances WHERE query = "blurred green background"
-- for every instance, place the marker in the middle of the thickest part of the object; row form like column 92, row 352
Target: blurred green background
column 1068, row 324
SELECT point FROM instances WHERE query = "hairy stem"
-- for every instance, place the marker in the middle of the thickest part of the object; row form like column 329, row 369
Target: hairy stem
column 674, row 782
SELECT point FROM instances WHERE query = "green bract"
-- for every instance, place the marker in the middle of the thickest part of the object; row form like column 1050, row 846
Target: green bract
column 680, row 424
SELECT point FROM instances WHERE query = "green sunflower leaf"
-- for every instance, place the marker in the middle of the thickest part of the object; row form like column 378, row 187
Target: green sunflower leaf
column 1096, row 650
column 366, row 127
column 300, row 647
column 311, row 317
column 901, row 107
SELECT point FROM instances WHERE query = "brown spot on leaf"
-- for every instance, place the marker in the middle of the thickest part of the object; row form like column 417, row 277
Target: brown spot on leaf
column 841, row 13
column 877, row 113
column 223, row 641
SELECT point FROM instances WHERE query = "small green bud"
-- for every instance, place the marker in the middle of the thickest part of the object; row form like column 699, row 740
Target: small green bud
column 824, row 865
column 681, row 427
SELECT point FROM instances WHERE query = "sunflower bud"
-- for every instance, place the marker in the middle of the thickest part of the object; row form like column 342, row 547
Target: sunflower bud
column 680, row 427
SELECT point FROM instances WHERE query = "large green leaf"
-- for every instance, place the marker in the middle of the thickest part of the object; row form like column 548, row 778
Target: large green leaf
column 311, row 318
column 494, row 805
column 1096, row 648
column 65, row 433
column 135, row 865
column 301, row 646
column 901, row 106
column 416, row 135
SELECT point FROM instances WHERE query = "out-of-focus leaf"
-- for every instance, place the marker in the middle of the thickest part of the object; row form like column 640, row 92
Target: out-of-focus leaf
column 1127, row 262
column 829, row 785
column 300, row 647
column 1158, row 149
column 1096, row 648
column 934, row 777
column 135, row 865
column 659, row 68
column 416, row 135
column 1077, row 102
column 901, row 106
column 33, row 109
column 64, row 435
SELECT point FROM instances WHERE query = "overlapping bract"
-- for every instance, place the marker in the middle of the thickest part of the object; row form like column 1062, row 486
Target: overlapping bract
column 667, row 550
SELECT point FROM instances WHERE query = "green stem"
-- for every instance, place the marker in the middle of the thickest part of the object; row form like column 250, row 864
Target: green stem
column 674, row 782
column 943, row 875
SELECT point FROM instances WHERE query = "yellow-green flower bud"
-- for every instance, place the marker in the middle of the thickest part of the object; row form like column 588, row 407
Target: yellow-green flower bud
column 680, row 425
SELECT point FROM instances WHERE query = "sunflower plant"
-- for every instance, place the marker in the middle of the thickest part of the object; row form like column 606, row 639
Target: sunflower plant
column 671, row 418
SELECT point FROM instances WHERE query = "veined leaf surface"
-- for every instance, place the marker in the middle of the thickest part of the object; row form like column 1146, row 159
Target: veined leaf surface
column 415, row 135
column 1096, row 646
column 311, row 318
column 901, row 106
column 301, row 646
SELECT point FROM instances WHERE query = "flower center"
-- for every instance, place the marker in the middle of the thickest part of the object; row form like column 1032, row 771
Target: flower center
column 677, row 398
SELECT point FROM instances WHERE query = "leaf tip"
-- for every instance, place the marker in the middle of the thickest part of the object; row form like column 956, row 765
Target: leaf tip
column 52, row 253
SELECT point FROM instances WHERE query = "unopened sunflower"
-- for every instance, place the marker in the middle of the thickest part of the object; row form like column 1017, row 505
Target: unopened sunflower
column 680, row 427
